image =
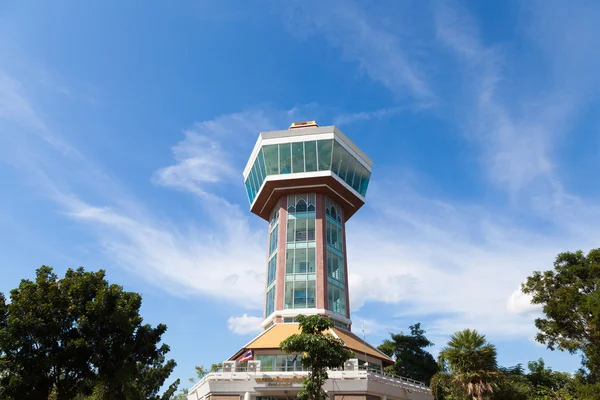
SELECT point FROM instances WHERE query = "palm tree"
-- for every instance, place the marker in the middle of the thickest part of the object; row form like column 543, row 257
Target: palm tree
column 468, row 364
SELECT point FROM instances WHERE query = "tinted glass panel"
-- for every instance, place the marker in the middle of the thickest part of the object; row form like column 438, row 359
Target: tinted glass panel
column 257, row 179
column 248, row 191
column 358, row 174
column 285, row 158
column 310, row 294
column 311, row 260
column 297, row 157
column 310, row 153
column 300, row 261
column 271, row 159
column 325, row 147
column 270, row 302
column 344, row 164
column 260, row 161
column 364, row 182
column 299, row 294
column 252, row 179
column 289, row 262
column 337, row 157
column 272, row 270
column 350, row 172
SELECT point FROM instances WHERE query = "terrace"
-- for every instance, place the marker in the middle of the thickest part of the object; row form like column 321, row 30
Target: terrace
column 253, row 383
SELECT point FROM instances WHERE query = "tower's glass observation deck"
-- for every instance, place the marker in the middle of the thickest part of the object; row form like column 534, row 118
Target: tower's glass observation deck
column 305, row 157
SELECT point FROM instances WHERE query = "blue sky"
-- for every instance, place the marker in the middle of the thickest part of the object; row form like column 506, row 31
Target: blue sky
column 124, row 129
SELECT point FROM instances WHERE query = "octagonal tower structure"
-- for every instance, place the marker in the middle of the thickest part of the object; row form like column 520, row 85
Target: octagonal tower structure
column 307, row 182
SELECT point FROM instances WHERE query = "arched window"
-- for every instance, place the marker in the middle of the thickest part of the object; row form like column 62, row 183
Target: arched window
column 301, row 205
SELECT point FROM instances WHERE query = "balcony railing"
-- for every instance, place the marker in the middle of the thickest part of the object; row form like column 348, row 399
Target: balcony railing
column 369, row 373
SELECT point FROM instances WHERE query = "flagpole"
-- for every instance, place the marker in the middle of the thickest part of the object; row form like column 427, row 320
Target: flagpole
column 365, row 344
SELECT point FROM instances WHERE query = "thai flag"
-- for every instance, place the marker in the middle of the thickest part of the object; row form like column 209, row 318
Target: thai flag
column 246, row 357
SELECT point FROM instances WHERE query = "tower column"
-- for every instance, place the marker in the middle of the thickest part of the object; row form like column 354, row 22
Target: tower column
column 321, row 253
column 346, row 266
column 280, row 290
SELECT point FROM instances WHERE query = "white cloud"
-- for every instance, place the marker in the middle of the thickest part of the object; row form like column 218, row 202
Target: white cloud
column 209, row 152
column 456, row 265
column 244, row 325
column 218, row 261
column 520, row 303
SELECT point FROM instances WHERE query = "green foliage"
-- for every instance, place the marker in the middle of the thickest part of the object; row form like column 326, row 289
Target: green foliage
column 79, row 338
column 181, row 395
column 412, row 360
column 319, row 350
column 469, row 367
column 201, row 372
column 512, row 384
column 570, row 298
column 545, row 381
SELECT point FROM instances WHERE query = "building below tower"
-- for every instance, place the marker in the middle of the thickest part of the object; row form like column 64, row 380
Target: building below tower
column 306, row 182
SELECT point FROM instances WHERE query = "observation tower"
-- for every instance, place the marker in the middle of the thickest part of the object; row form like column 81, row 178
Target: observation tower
column 306, row 182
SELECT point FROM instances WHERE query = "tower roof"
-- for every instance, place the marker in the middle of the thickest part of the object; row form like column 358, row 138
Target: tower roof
column 272, row 337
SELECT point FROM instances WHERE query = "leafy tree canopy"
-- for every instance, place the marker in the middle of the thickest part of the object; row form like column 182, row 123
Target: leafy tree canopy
column 412, row 360
column 469, row 368
column 570, row 296
column 79, row 337
column 319, row 350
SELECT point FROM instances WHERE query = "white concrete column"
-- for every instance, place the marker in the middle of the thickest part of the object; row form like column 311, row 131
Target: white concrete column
column 247, row 396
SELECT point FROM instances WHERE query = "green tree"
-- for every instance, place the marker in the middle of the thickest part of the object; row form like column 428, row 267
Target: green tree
column 570, row 299
column 319, row 350
column 412, row 360
column 548, row 384
column 512, row 384
column 469, row 367
column 201, row 372
column 79, row 337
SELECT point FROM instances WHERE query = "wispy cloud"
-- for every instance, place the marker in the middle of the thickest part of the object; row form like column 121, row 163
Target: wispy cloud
column 515, row 127
column 214, row 261
column 383, row 56
column 209, row 152
column 382, row 113
column 458, row 263
column 437, row 259
column 16, row 107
